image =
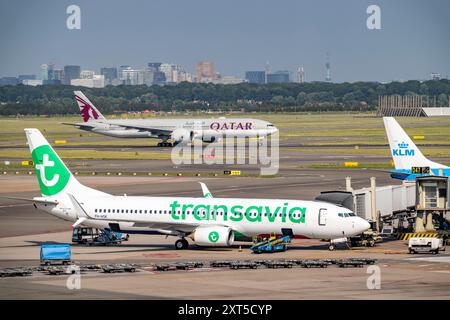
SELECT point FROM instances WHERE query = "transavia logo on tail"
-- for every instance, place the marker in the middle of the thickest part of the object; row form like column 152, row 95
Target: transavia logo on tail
column 403, row 150
column 51, row 172
column 213, row 236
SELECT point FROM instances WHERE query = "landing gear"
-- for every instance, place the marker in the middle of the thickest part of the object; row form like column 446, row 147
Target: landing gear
column 165, row 144
column 331, row 247
column 181, row 244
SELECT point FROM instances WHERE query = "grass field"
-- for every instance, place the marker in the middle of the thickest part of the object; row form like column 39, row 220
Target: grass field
column 319, row 129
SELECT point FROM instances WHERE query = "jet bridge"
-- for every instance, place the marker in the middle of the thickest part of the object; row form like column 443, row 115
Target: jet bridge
column 423, row 203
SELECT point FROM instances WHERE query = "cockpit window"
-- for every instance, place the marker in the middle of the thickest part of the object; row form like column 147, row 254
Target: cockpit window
column 346, row 214
column 270, row 125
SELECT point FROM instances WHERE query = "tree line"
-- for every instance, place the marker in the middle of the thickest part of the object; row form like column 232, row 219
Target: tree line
column 286, row 97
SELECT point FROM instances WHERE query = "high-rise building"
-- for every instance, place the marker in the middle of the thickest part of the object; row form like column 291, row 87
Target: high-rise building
column 71, row 72
column 110, row 74
column 44, row 71
column 300, row 75
column 258, row 77
column 121, row 68
column 57, row 75
column 133, row 77
column 170, row 72
column 278, row 77
column 154, row 65
column 174, row 73
column 328, row 69
column 159, row 78
column 204, row 72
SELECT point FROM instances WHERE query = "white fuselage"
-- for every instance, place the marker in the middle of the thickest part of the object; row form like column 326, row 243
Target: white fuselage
column 156, row 128
column 250, row 217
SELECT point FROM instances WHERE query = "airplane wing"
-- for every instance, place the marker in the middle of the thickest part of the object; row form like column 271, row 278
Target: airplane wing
column 85, row 126
column 159, row 131
column 35, row 200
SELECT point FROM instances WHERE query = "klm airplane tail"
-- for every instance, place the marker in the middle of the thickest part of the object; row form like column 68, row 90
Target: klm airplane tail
column 404, row 152
column 53, row 176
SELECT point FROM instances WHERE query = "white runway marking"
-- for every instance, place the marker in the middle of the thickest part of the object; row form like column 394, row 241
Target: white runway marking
column 445, row 259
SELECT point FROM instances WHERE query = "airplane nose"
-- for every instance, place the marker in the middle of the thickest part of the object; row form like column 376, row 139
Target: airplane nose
column 364, row 225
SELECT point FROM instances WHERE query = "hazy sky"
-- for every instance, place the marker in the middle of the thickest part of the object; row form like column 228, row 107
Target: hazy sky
column 238, row 35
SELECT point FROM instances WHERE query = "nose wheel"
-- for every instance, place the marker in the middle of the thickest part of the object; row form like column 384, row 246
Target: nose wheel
column 181, row 244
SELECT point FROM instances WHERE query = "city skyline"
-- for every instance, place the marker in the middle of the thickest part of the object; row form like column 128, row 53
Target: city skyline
column 237, row 37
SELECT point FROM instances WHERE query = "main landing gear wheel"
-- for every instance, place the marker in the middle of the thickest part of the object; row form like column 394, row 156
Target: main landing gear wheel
column 331, row 247
column 165, row 144
column 181, row 244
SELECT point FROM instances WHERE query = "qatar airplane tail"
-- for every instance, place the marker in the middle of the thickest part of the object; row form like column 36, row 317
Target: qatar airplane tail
column 404, row 151
column 87, row 108
column 53, row 176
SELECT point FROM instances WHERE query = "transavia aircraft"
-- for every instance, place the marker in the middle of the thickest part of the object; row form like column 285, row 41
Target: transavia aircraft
column 408, row 160
column 208, row 221
column 178, row 130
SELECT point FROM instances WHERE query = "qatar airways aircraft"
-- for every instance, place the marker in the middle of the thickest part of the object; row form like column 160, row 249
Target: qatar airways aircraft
column 208, row 221
column 178, row 130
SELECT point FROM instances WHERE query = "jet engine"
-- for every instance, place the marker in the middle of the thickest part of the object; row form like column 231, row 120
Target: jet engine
column 214, row 236
column 182, row 135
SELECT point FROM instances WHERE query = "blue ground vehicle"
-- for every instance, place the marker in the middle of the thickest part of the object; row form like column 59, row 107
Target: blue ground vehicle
column 92, row 236
column 270, row 245
column 55, row 254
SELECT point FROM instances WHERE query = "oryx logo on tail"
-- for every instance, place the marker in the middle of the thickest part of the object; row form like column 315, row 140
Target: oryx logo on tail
column 86, row 109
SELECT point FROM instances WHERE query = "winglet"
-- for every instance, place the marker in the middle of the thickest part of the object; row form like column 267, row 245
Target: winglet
column 205, row 190
column 81, row 213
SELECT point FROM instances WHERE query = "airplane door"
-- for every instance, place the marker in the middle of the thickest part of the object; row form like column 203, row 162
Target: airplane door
column 322, row 217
